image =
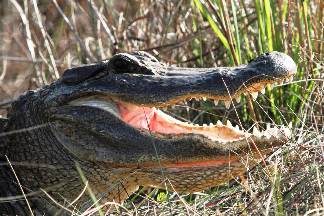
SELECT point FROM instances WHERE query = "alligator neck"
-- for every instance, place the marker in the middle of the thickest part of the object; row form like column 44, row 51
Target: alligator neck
column 41, row 161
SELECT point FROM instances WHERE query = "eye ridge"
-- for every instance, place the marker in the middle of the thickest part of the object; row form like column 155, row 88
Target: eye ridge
column 134, row 63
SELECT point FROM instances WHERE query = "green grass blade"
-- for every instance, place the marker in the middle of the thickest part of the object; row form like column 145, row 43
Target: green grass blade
column 261, row 31
column 212, row 24
column 268, row 22
column 237, row 33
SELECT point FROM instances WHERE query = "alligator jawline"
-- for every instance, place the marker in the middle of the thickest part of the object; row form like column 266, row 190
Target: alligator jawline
column 150, row 118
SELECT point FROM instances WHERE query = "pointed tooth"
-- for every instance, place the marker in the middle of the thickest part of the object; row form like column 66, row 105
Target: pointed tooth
column 219, row 123
column 275, row 130
column 238, row 99
column 262, row 91
column 187, row 108
column 286, row 131
column 211, row 124
column 227, row 104
column 290, row 125
column 254, row 95
column 215, row 102
column 237, row 128
column 268, row 126
column 204, row 125
column 267, row 134
column 204, row 98
column 229, row 124
column 256, row 132
column 291, row 79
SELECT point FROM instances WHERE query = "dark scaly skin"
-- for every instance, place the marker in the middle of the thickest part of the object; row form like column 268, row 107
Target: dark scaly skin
column 115, row 157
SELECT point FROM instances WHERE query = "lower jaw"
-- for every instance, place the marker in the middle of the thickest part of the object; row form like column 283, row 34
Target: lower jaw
column 207, row 163
column 232, row 159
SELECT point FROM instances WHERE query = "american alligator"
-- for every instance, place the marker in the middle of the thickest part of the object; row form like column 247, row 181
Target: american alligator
column 105, row 119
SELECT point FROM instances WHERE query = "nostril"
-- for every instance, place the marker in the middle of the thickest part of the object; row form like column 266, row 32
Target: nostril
column 267, row 53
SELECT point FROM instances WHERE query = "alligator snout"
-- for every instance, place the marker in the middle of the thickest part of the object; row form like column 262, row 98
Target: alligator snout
column 274, row 64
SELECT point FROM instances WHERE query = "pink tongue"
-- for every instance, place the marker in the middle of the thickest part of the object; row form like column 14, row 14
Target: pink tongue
column 148, row 118
column 138, row 117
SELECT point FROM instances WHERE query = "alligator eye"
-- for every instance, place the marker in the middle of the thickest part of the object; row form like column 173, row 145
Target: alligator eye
column 129, row 63
column 121, row 65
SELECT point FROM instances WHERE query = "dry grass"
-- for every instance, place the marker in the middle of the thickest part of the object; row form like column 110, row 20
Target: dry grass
column 39, row 41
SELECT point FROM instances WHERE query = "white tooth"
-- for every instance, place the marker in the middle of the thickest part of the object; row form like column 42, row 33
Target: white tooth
column 267, row 134
column 286, row 131
column 187, row 108
column 204, row 98
column 204, row 125
column 219, row 123
column 215, row 102
column 290, row 125
column 275, row 130
column 237, row 128
column 291, row 79
column 211, row 124
column 268, row 126
column 254, row 95
column 227, row 104
column 262, row 91
column 229, row 124
column 256, row 132
column 238, row 99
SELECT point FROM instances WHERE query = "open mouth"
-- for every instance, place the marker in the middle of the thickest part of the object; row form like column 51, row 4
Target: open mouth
column 152, row 119
column 121, row 111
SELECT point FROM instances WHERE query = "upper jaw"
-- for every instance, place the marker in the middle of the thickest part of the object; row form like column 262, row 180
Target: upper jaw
column 137, row 93
column 177, row 84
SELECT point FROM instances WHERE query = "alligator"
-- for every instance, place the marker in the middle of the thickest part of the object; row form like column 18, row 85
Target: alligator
column 101, row 127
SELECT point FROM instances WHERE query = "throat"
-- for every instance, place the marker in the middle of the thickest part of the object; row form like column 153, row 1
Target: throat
column 157, row 121
column 150, row 119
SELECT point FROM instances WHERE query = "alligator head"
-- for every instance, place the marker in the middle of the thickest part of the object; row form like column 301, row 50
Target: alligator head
column 108, row 118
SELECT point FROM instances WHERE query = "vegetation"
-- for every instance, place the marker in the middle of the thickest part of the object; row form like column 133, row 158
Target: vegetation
column 40, row 40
